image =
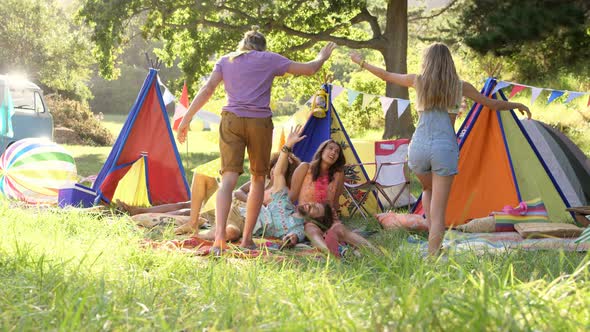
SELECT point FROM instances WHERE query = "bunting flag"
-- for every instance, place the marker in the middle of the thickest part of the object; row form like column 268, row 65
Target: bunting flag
column 500, row 85
column 181, row 108
column 573, row 95
column 516, row 89
column 336, row 91
column 352, row 94
column 535, row 94
column 554, row 95
column 385, row 103
column 367, row 100
column 402, row 105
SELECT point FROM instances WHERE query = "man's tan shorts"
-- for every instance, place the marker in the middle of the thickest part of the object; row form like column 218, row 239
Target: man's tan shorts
column 237, row 134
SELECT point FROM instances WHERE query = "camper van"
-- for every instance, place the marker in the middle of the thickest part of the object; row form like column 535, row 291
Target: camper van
column 31, row 118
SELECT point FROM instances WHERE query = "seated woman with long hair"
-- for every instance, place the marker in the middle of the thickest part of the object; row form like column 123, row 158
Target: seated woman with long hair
column 322, row 181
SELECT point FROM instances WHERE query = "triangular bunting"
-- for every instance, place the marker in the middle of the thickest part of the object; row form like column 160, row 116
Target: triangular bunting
column 554, row 95
column 500, row 85
column 573, row 95
column 516, row 89
column 402, row 105
column 352, row 96
column 336, row 91
column 366, row 100
column 385, row 103
column 535, row 94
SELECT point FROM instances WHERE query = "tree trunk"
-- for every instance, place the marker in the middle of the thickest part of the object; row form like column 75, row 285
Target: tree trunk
column 395, row 54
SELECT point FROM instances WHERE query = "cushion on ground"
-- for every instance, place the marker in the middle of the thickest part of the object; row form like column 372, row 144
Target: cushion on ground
column 540, row 230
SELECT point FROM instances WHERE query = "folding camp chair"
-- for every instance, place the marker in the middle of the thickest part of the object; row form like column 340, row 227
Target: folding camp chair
column 390, row 170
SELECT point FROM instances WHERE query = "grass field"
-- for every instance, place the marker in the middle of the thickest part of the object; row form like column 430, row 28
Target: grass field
column 69, row 270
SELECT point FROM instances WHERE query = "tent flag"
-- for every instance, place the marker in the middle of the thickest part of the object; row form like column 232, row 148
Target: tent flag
column 336, row 91
column 367, row 98
column 402, row 105
column 554, row 95
column 181, row 108
column 500, row 85
column 385, row 103
column 167, row 96
column 352, row 94
column 6, row 110
column 516, row 89
column 535, row 94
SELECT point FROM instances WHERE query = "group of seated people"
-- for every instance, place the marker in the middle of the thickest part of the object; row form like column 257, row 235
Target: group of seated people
column 301, row 200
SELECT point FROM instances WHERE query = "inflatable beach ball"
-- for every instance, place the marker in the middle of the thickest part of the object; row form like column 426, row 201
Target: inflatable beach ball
column 33, row 170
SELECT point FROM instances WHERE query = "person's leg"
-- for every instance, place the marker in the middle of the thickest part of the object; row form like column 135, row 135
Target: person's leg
column 441, row 186
column 223, row 205
column 426, row 182
column 344, row 234
column 164, row 208
column 201, row 189
column 253, row 205
column 315, row 236
column 259, row 145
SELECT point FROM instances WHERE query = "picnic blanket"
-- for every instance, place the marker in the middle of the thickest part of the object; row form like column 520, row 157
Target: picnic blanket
column 266, row 248
column 455, row 241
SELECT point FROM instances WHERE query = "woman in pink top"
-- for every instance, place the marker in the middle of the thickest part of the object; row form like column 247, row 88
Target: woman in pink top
column 246, row 121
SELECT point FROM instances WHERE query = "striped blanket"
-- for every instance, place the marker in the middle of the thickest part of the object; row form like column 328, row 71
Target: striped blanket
column 529, row 211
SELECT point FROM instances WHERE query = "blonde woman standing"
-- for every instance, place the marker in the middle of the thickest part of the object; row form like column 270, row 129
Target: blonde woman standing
column 433, row 153
column 246, row 121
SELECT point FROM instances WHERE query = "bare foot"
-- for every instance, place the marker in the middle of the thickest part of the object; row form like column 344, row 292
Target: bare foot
column 186, row 228
column 248, row 244
column 127, row 208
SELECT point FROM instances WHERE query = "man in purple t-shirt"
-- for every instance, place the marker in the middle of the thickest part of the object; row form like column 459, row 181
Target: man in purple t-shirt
column 246, row 121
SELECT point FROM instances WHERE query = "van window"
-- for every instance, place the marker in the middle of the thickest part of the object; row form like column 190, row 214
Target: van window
column 39, row 107
column 23, row 100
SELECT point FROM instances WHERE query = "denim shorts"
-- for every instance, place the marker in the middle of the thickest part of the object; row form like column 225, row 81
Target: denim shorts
column 433, row 147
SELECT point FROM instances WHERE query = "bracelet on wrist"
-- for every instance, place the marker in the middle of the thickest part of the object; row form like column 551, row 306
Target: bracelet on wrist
column 286, row 149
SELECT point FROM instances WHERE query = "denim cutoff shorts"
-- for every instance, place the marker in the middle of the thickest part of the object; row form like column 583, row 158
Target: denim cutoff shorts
column 433, row 147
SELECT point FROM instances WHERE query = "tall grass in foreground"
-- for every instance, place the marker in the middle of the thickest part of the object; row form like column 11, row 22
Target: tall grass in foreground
column 68, row 270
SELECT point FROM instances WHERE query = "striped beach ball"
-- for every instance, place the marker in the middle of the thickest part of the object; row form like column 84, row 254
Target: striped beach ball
column 33, row 170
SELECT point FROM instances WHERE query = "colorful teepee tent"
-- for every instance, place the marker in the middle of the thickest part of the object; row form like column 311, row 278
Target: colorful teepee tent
column 499, row 166
column 318, row 130
column 144, row 155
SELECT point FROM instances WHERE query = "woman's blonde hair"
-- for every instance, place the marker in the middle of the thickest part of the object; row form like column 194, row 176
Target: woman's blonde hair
column 438, row 85
column 252, row 41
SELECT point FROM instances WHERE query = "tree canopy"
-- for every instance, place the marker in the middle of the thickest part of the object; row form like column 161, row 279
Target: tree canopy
column 542, row 37
column 37, row 38
column 196, row 31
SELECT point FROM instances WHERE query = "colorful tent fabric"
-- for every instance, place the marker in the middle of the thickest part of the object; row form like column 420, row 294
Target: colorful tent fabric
column 566, row 162
column 498, row 166
column 318, row 130
column 146, row 132
column 132, row 188
column 33, row 170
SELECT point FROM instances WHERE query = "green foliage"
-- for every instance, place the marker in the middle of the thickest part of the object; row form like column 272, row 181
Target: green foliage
column 354, row 117
column 537, row 39
column 39, row 39
column 76, row 115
